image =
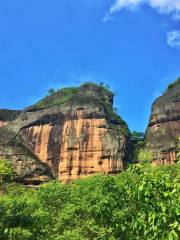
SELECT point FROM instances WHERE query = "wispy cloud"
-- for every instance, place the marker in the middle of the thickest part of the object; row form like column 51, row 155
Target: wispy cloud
column 171, row 7
column 120, row 4
column 173, row 39
column 107, row 17
column 168, row 7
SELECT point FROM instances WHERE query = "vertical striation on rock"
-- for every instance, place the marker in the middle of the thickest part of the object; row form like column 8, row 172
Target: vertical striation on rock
column 74, row 132
column 163, row 130
column 88, row 147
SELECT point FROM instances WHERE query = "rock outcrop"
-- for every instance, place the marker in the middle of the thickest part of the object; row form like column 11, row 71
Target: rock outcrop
column 7, row 116
column 70, row 134
column 163, row 130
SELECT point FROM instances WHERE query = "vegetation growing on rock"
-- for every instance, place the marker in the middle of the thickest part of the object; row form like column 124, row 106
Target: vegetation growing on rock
column 56, row 98
column 172, row 85
column 61, row 96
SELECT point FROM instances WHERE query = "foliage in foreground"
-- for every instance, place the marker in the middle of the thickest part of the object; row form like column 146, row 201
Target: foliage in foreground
column 141, row 203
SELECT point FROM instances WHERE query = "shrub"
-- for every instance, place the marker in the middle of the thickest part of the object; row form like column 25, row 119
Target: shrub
column 145, row 156
column 6, row 171
column 140, row 203
column 171, row 85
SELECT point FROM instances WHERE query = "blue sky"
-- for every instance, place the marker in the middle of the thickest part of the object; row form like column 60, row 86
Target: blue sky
column 131, row 45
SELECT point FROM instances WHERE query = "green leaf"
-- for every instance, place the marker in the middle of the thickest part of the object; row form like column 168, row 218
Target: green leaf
column 173, row 235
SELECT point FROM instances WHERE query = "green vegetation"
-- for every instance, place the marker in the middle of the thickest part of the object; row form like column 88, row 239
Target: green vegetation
column 137, row 136
column 144, row 156
column 6, row 171
column 73, row 96
column 51, row 91
column 140, row 203
column 177, row 82
column 102, row 86
column 137, row 139
column 64, row 95
column 56, row 97
column 115, row 121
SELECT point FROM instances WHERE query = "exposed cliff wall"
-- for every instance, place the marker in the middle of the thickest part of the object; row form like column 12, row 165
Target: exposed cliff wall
column 2, row 123
column 74, row 133
column 163, row 130
column 7, row 116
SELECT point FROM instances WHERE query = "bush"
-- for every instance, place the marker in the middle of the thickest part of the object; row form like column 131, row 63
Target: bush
column 6, row 171
column 145, row 156
column 140, row 203
column 171, row 85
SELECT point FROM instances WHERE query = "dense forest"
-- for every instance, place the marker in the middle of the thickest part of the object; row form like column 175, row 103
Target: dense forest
column 142, row 202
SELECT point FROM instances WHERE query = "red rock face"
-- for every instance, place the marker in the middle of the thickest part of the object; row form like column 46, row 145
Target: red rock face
column 2, row 123
column 38, row 137
column 77, row 148
column 70, row 135
column 163, row 130
column 87, row 148
column 165, row 159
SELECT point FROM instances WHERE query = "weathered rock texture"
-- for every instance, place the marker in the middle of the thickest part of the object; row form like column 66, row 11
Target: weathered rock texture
column 2, row 123
column 68, row 135
column 163, row 130
column 7, row 116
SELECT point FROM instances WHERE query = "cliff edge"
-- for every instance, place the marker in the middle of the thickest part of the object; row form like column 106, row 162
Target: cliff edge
column 163, row 130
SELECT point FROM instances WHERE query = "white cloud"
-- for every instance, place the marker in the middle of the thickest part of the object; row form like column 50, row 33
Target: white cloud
column 120, row 4
column 107, row 18
column 171, row 7
column 166, row 6
column 173, row 39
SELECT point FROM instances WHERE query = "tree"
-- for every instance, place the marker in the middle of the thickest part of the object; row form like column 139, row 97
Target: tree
column 51, row 91
column 145, row 156
column 137, row 136
column 137, row 139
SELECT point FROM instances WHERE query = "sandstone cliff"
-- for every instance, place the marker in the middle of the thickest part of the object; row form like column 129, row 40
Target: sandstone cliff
column 163, row 130
column 68, row 135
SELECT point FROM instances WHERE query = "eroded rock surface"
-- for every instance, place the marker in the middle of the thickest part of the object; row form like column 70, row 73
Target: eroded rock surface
column 7, row 116
column 70, row 134
column 163, row 130
column 2, row 123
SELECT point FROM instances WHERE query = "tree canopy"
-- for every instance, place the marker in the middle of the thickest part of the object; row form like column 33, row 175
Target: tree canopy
column 140, row 203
